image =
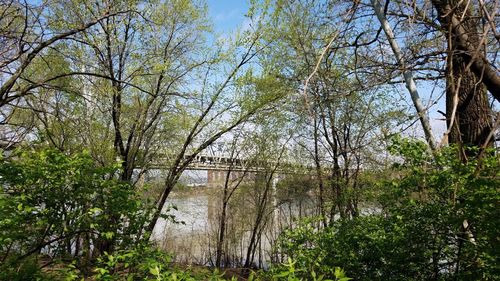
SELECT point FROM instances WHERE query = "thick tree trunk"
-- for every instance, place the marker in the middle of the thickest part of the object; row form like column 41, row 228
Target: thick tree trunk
column 473, row 121
column 464, row 89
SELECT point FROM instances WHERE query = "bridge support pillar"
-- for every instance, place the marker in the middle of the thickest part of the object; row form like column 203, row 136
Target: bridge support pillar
column 218, row 177
column 215, row 177
column 210, row 178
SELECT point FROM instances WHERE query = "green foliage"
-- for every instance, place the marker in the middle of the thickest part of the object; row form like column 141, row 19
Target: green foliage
column 141, row 263
column 63, row 206
column 27, row 270
column 438, row 221
column 289, row 271
column 147, row 263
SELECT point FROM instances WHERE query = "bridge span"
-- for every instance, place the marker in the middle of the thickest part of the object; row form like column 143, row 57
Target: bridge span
column 217, row 167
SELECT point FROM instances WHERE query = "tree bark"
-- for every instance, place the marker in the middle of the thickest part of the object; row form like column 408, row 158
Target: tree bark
column 473, row 119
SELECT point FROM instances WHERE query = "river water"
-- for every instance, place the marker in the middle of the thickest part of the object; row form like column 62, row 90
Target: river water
column 191, row 232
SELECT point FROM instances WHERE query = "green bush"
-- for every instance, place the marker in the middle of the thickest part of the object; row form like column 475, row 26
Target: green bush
column 438, row 221
column 63, row 207
column 146, row 263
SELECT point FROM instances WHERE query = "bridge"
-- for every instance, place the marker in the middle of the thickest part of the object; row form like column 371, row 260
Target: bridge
column 218, row 166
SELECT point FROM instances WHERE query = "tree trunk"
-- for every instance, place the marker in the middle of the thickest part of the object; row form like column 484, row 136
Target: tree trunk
column 222, row 221
column 473, row 119
column 319, row 174
column 407, row 74
column 258, row 223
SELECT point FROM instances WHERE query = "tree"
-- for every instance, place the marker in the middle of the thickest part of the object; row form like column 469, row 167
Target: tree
column 28, row 33
column 342, row 114
column 236, row 96
column 232, row 181
column 138, row 87
column 469, row 74
column 407, row 74
column 423, row 35
column 145, row 82
column 25, row 35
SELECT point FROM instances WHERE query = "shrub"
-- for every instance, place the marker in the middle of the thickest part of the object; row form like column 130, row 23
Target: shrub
column 439, row 221
column 64, row 206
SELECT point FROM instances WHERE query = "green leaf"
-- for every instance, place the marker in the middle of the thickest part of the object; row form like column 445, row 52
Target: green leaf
column 155, row 270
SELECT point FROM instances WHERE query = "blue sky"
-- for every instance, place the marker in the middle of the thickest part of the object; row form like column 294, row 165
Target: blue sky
column 227, row 15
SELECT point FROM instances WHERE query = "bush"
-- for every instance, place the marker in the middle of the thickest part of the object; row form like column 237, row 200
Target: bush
column 63, row 207
column 439, row 221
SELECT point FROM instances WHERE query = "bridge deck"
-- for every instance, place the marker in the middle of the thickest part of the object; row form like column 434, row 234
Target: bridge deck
column 215, row 163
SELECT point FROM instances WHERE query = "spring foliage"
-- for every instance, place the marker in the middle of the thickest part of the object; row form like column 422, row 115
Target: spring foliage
column 438, row 220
